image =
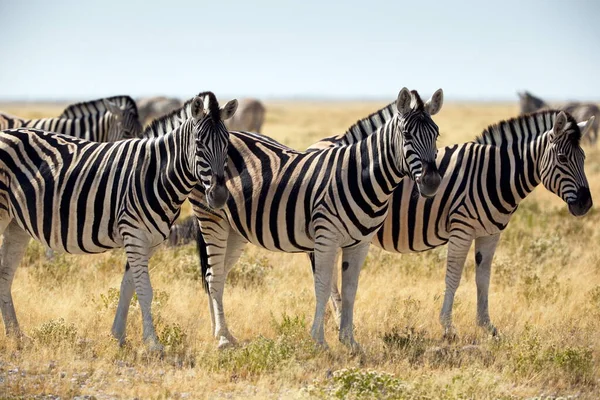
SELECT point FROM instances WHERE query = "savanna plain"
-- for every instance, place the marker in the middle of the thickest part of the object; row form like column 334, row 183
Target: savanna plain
column 544, row 300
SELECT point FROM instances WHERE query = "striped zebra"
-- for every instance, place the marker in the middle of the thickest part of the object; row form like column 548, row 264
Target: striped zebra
column 483, row 183
column 187, row 230
column 87, row 197
column 103, row 120
column 315, row 201
column 580, row 111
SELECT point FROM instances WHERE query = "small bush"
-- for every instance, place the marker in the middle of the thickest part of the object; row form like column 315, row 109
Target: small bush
column 54, row 332
column 250, row 271
column 357, row 384
column 173, row 336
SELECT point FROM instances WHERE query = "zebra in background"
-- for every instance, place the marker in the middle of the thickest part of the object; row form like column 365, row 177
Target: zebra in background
column 103, row 120
column 483, row 183
column 150, row 108
column 317, row 201
column 87, row 197
column 249, row 117
column 580, row 111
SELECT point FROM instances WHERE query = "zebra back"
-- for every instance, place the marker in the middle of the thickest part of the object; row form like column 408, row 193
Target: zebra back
column 360, row 130
column 130, row 124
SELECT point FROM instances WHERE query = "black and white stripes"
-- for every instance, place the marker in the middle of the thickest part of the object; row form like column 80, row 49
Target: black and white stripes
column 85, row 197
column 320, row 200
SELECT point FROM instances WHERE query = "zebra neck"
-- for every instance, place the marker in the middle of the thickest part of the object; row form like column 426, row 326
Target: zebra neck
column 177, row 163
column 378, row 158
column 521, row 166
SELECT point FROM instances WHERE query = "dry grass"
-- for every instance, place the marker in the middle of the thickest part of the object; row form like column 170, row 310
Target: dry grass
column 545, row 300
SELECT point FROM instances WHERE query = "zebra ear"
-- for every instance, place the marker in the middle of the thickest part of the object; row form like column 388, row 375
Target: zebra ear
column 229, row 109
column 113, row 109
column 197, row 108
column 434, row 104
column 403, row 101
column 559, row 125
column 585, row 126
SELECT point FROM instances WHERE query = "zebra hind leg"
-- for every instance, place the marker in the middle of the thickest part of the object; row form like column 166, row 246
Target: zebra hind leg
column 458, row 248
column 138, row 254
column 125, row 296
column 485, row 247
column 14, row 243
column 352, row 261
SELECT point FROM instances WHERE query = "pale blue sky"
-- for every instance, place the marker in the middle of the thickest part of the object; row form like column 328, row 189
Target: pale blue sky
column 345, row 49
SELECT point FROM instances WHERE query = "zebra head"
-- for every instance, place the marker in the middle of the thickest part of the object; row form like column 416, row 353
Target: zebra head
column 124, row 124
column 562, row 163
column 212, row 143
column 419, row 134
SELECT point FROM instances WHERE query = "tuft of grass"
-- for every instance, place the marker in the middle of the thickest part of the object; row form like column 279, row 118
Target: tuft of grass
column 55, row 332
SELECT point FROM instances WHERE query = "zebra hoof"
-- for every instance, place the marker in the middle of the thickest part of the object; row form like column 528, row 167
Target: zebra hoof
column 450, row 334
column 227, row 342
column 155, row 347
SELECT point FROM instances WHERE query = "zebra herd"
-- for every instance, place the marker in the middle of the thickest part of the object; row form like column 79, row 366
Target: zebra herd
column 93, row 179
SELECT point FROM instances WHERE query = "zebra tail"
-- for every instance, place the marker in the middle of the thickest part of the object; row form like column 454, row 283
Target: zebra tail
column 203, row 254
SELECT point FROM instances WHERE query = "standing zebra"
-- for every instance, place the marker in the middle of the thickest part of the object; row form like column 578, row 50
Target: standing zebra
column 482, row 186
column 249, row 117
column 580, row 111
column 102, row 120
column 187, row 230
column 86, row 197
column 315, row 201
column 150, row 108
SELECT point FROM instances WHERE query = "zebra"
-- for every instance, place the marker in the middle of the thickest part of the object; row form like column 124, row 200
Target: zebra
column 87, row 197
column 102, row 120
column 580, row 111
column 186, row 231
column 318, row 201
column 150, row 108
column 249, row 117
column 483, row 183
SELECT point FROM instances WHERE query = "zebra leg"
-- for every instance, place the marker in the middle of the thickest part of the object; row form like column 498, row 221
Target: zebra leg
column 458, row 248
column 336, row 297
column 221, row 247
column 120, row 322
column 14, row 243
column 352, row 261
column 325, row 254
column 235, row 245
column 138, row 254
column 485, row 247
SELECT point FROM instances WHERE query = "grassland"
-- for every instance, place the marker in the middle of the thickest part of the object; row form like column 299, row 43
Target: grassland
column 545, row 301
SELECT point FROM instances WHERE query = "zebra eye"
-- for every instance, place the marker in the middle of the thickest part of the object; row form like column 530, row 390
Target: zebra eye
column 562, row 158
column 407, row 136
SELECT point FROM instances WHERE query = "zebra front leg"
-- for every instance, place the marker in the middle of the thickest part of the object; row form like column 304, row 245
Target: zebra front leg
column 13, row 248
column 138, row 253
column 485, row 247
column 336, row 297
column 120, row 322
column 325, row 255
column 458, row 248
column 352, row 261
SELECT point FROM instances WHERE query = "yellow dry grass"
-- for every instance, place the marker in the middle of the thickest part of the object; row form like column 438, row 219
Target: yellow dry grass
column 545, row 300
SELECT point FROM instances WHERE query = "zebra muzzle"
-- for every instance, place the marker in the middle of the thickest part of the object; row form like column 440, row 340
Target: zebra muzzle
column 217, row 194
column 429, row 182
column 582, row 204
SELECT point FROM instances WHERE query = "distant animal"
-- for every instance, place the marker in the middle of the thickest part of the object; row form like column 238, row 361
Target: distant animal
column 87, row 197
column 102, row 120
column 183, row 232
column 249, row 117
column 150, row 108
column 580, row 111
column 483, row 183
